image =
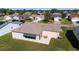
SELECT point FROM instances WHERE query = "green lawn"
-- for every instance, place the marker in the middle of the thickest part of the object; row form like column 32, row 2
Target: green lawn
column 65, row 21
column 9, row 44
column 63, row 44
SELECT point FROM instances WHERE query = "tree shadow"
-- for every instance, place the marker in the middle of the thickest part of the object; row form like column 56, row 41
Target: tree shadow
column 73, row 40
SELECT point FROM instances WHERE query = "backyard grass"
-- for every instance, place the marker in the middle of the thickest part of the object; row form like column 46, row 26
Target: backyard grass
column 65, row 21
column 9, row 44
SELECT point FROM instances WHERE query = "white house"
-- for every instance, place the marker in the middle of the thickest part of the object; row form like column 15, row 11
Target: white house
column 67, row 16
column 74, row 17
column 16, row 18
column 37, row 32
column 57, row 16
column 15, row 14
column 37, row 18
column 27, row 14
column 7, row 17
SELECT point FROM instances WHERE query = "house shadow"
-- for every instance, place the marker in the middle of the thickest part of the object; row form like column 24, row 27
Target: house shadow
column 73, row 40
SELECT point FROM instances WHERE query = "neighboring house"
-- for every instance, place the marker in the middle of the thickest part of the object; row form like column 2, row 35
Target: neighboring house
column 15, row 14
column 11, row 17
column 7, row 17
column 21, row 17
column 2, row 14
column 37, row 32
column 37, row 18
column 40, row 13
column 67, row 16
column 28, row 14
column 16, row 17
column 57, row 16
column 24, row 16
column 74, row 17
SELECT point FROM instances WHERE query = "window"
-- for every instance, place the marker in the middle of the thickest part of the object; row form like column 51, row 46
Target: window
column 32, row 36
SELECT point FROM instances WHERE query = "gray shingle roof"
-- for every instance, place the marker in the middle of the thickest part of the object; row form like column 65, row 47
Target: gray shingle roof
column 56, row 15
column 37, row 28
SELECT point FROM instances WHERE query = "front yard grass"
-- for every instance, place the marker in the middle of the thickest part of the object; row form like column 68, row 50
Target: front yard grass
column 9, row 44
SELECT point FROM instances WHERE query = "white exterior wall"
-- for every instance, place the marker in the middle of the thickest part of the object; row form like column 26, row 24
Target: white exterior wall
column 31, row 17
column 37, row 19
column 75, row 19
column 57, row 18
column 38, row 38
column 16, row 18
column 8, row 18
column 50, row 35
column 20, row 36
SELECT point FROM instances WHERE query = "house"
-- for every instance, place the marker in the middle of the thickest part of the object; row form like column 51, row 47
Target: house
column 37, row 18
column 15, row 16
column 27, row 14
column 37, row 32
column 74, row 17
column 40, row 13
column 24, row 16
column 11, row 17
column 57, row 16
column 7, row 18
column 2, row 14
column 67, row 15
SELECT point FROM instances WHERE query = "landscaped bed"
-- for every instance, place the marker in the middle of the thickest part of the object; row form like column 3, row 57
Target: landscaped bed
column 9, row 44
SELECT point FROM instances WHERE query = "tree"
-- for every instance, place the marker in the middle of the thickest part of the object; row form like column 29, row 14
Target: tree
column 47, row 16
column 9, row 11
